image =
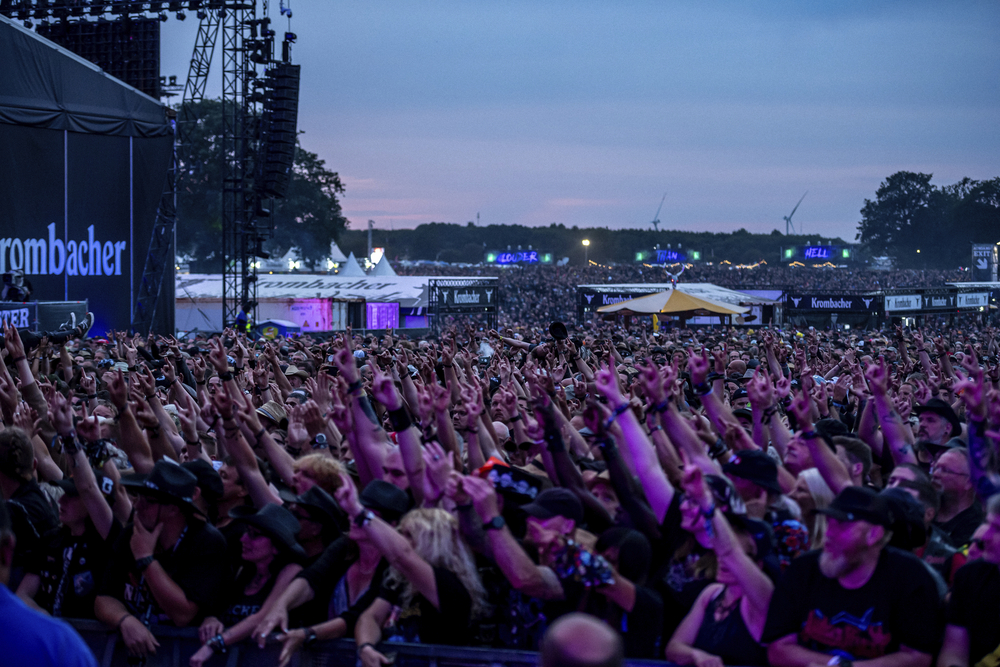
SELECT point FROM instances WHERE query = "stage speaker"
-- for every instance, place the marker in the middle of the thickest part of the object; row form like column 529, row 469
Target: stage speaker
column 278, row 129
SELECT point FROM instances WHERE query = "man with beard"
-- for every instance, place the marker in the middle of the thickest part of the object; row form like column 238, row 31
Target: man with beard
column 856, row 599
column 960, row 512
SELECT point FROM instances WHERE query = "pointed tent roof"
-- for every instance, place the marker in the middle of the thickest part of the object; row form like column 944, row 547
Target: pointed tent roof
column 383, row 268
column 336, row 254
column 351, row 268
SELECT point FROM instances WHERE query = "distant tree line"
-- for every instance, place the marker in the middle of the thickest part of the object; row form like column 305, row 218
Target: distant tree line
column 469, row 243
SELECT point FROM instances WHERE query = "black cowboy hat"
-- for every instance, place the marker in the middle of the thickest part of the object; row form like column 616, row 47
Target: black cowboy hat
column 276, row 522
column 939, row 407
column 168, row 483
column 320, row 505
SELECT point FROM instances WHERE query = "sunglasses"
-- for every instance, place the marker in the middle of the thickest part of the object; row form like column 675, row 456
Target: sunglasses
column 509, row 446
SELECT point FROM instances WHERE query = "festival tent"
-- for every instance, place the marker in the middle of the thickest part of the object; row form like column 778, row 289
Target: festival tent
column 351, row 268
column 382, row 269
column 673, row 302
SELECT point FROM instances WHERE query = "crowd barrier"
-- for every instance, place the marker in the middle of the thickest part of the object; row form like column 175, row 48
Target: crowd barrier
column 177, row 645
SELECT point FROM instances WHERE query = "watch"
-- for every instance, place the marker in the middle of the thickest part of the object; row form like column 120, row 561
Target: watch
column 142, row 563
column 496, row 523
column 310, row 638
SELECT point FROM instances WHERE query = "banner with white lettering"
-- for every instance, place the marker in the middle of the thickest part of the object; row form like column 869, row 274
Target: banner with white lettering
column 938, row 301
column 902, row 302
column 78, row 213
column 973, row 300
column 458, row 299
column 834, row 302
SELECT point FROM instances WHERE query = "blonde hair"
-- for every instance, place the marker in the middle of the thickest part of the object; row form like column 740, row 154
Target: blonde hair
column 325, row 470
column 822, row 496
column 435, row 536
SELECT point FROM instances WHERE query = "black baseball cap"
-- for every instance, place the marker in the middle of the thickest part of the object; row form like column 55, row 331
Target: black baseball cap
column 555, row 502
column 754, row 466
column 859, row 503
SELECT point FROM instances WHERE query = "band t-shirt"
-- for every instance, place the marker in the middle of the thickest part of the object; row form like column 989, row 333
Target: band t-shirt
column 69, row 568
column 197, row 563
column 975, row 606
column 898, row 605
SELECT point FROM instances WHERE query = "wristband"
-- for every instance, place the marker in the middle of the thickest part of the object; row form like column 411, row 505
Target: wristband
column 217, row 644
column 661, row 407
column 310, row 639
column 259, row 434
column 515, row 418
column 118, row 625
column 17, row 359
column 142, row 563
column 810, row 435
column 194, row 442
column 619, row 411
column 226, row 377
column 400, row 419
column 354, row 386
column 362, row 647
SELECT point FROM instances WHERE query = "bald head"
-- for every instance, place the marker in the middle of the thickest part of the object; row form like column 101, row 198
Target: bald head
column 579, row 640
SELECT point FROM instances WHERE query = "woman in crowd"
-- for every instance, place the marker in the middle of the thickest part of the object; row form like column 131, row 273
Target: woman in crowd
column 271, row 559
column 432, row 570
column 812, row 493
column 726, row 622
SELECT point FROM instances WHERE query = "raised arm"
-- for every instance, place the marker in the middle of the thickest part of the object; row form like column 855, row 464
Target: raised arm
column 654, row 481
column 898, row 438
column 396, row 548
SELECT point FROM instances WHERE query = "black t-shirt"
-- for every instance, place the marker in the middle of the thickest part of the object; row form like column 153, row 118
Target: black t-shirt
column 32, row 517
column 975, row 606
column 898, row 605
column 331, row 597
column 69, row 569
column 421, row 622
column 197, row 563
column 679, row 576
column 640, row 628
column 961, row 526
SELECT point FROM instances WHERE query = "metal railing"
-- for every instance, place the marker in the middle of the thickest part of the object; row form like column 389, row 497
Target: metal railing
column 177, row 645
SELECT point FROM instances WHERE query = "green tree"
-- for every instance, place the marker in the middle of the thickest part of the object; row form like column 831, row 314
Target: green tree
column 889, row 224
column 309, row 217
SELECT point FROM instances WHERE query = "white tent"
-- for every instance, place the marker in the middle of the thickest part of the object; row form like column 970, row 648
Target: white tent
column 382, row 269
column 351, row 268
column 336, row 254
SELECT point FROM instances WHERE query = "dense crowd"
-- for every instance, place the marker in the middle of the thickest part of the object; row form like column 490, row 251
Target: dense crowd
column 715, row 496
column 535, row 295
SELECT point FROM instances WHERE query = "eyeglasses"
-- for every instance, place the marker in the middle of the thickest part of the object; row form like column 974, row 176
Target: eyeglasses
column 945, row 471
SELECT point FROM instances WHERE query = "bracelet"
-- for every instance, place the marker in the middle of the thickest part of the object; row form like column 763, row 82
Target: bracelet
column 362, row 647
column 810, row 435
column 17, row 359
column 142, row 563
column 118, row 625
column 364, row 518
column 515, row 418
column 217, row 643
column 656, row 428
column 150, row 397
column 200, row 384
column 226, row 377
column 260, row 434
column 194, row 442
column 91, row 397
column 661, row 407
column 615, row 415
column 400, row 419
column 354, row 386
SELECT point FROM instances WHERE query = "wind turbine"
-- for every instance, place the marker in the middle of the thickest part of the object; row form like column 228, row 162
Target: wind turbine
column 788, row 218
column 656, row 218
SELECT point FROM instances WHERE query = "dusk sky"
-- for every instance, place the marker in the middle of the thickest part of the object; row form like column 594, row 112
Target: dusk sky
column 586, row 113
